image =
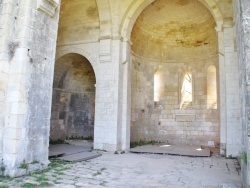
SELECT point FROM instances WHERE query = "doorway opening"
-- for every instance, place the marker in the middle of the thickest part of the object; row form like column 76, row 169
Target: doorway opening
column 73, row 101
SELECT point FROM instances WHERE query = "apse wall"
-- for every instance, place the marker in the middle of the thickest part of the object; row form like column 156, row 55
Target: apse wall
column 172, row 40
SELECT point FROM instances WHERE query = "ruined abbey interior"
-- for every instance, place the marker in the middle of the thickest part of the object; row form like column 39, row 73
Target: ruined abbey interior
column 122, row 71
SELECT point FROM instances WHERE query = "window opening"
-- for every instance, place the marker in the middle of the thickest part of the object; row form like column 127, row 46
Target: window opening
column 156, row 87
column 186, row 91
column 211, row 88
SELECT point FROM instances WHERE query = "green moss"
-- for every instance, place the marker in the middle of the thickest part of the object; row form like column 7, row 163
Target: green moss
column 41, row 178
column 44, row 183
column 34, row 162
column 80, row 138
column 55, row 142
column 142, row 143
column 6, row 179
column 24, row 165
column 29, row 185
column 243, row 157
column 4, row 186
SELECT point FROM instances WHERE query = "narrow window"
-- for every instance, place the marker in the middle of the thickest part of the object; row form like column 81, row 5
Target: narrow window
column 186, row 91
column 156, row 87
column 211, row 88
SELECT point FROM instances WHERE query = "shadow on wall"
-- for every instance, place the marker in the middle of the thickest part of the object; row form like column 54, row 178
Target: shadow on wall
column 73, row 102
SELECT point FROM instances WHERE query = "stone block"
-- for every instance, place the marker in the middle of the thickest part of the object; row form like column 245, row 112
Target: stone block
column 18, row 108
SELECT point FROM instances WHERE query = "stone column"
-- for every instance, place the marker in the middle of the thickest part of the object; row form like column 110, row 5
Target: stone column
column 230, row 129
column 126, row 95
column 222, row 92
column 7, row 15
column 233, row 130
column 242, row 19
column 108, row 110
column 27, row 105
column 112, row 117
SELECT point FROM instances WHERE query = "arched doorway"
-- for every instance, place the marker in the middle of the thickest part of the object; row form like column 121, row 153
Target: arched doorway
column 175, row 40
column 73, row 101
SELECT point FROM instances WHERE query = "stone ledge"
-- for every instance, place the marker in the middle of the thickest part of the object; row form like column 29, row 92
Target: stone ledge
column 48, row 6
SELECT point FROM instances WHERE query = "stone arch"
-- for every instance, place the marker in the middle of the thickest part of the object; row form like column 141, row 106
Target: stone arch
column 105, row 18
column 210, row 63
column 74, row 95
column 136, row 8
column 80, row 51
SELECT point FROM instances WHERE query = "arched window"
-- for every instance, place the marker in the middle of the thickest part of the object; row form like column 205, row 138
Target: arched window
column 211, row 88
column 156, row 87
column 186, row 91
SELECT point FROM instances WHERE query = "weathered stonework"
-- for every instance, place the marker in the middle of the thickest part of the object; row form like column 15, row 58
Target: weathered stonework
column 126, row 43
column 242, row 19
column 73, row 102
column 48, row 6
column 168, row 50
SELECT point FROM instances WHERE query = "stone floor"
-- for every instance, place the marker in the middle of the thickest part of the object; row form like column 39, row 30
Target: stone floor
column 139, row 171
column 181, row 150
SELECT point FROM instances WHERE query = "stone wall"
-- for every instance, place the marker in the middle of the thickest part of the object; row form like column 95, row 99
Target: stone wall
column 101, row 31
column 242, row 19
column 30, row 59
column 164, row 120
column 169, row 41
column 6, row 19
column 73, row 101
column 79, row 22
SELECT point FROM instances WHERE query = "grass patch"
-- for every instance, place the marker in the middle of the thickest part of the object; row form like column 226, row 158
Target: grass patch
column 6, row 179
column 55, row 164
column 18, row 180
column 29, row 185
column 243, row 157
column 34, row 162
column 142, row 143
column 2, row 169
column 80, row 138
column 41, row 178
column 4, row 186
column 24, row 165
column 55, row 142
column 60, row 173
column 44, row 183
